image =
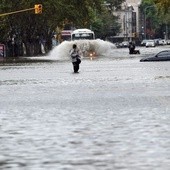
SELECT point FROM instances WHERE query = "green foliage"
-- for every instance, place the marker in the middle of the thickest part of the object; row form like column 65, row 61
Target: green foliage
column 157, row 15
column 164, row 10
column 163, row 5
column 29, row 27
column 54, row 14
column 106, row 25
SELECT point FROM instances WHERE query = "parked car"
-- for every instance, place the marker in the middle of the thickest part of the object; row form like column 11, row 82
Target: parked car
column 118, row 45
column 150, row 43
column 168, row 42
column 162, row 42
column 125, row 44
column 122, row 44
column 143, row 43
column 161, row 56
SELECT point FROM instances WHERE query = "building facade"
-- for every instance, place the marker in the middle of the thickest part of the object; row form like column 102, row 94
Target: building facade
column 129, row 20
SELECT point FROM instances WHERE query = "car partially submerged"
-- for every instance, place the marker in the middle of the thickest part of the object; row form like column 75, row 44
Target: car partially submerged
column 161, row 56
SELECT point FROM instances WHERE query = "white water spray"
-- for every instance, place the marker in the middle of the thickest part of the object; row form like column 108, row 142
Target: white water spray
column 100, row 47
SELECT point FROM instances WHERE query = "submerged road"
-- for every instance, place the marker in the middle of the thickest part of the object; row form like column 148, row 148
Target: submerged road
column 114, row 114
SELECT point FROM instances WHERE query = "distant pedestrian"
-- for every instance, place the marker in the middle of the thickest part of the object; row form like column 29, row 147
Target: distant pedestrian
column 75, row 57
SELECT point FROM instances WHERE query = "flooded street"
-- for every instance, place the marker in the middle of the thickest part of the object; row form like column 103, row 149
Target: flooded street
column 114, row 114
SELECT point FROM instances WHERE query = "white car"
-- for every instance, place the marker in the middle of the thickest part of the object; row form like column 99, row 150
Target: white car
column 150, row 43
column 162, row 42
column 143, row 43
column 168, row 42
column 125, row 44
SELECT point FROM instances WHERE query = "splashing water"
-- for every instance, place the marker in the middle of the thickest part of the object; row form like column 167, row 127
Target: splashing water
column 100, row 47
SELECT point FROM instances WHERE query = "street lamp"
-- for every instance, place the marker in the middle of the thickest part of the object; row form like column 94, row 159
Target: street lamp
column 145, row 16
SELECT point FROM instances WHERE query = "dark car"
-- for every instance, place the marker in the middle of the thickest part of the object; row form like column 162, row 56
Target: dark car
column 161, row 56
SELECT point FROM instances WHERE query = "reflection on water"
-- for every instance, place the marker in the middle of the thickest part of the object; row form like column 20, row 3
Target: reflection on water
column 23, row 61
column 114, row 114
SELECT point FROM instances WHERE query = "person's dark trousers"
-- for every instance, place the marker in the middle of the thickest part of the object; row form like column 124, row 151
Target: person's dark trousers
column 75, row 67
column 131, row 51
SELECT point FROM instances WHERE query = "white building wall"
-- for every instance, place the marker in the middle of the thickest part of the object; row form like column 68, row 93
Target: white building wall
column 125, row 18
column 135, row 4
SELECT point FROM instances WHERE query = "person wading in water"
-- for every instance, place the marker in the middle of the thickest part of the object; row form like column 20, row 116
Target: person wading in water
column 75, row 57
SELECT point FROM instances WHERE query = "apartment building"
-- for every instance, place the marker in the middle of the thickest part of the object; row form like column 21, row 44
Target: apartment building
column 129, row 20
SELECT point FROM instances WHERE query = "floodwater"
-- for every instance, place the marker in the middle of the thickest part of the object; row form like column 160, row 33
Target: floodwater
column 114, row 114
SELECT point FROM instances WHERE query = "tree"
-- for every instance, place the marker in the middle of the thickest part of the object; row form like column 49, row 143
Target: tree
column 164, row 12
column 32, row 29
column 105, row 23
column 163, row 5
column 156, row 17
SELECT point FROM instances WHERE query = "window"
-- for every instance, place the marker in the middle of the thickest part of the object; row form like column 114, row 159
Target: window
column 164, row 54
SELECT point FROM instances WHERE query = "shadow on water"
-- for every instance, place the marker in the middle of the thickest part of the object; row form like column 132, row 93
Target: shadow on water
column 24, row 60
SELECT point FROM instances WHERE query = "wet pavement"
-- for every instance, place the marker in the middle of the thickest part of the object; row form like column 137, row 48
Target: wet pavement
column 113, row 114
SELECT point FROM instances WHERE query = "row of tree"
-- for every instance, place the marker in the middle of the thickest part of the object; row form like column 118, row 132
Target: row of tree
column 157, row 17
column 32, row 30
